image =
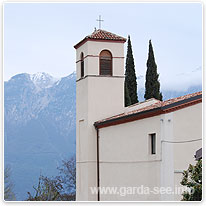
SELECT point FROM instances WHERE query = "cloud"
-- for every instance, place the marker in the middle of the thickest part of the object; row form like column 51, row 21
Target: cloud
column 182, row 81
column 176, row 82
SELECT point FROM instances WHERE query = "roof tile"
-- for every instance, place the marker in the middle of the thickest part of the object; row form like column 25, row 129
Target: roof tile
column 153, row 106
column 101, row 35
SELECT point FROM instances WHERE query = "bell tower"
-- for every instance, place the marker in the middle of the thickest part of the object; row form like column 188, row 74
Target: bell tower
column 99, row 94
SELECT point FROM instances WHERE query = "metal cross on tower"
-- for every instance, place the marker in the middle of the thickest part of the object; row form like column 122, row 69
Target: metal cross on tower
column 99, row 20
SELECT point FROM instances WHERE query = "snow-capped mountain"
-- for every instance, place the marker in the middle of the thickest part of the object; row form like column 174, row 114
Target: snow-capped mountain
column 43, row 80
column 39, row 114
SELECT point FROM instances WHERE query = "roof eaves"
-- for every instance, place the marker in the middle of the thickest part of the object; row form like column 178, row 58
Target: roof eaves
column 182, row 102
column 97, row 39
column 128, row 118
column 149, row 113
column 115, row 38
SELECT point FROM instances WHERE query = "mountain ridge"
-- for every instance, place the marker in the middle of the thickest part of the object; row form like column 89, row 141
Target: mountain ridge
column 39, row 128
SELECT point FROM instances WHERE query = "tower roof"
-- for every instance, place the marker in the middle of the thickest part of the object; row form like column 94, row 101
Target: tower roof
column 101, row 35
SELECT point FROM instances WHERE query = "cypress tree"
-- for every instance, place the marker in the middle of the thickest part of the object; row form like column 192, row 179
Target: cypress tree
column 152, row 84
column 130, row 76
column 127, row 101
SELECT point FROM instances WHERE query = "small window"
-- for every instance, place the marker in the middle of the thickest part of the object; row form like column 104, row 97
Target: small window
column 82, row 64
column 153, row 143
column 106, row 63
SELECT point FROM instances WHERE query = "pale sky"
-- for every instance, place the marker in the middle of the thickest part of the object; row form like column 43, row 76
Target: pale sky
column 39, row 37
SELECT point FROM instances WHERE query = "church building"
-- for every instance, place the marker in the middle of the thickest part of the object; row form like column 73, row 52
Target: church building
column 118, row 148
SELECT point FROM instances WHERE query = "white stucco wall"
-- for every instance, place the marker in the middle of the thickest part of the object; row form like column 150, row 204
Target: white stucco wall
column 167, row 155
column 125, row 159
column 97, row 97
column 187, row 127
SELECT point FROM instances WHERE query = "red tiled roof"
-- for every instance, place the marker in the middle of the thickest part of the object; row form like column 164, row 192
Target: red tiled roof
column 164, row 105
column 101, row 35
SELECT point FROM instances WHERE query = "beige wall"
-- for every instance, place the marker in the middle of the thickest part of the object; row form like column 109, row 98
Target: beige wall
column 187, row 127
column 97, row 97
column 125, row 159
column 167, row 155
